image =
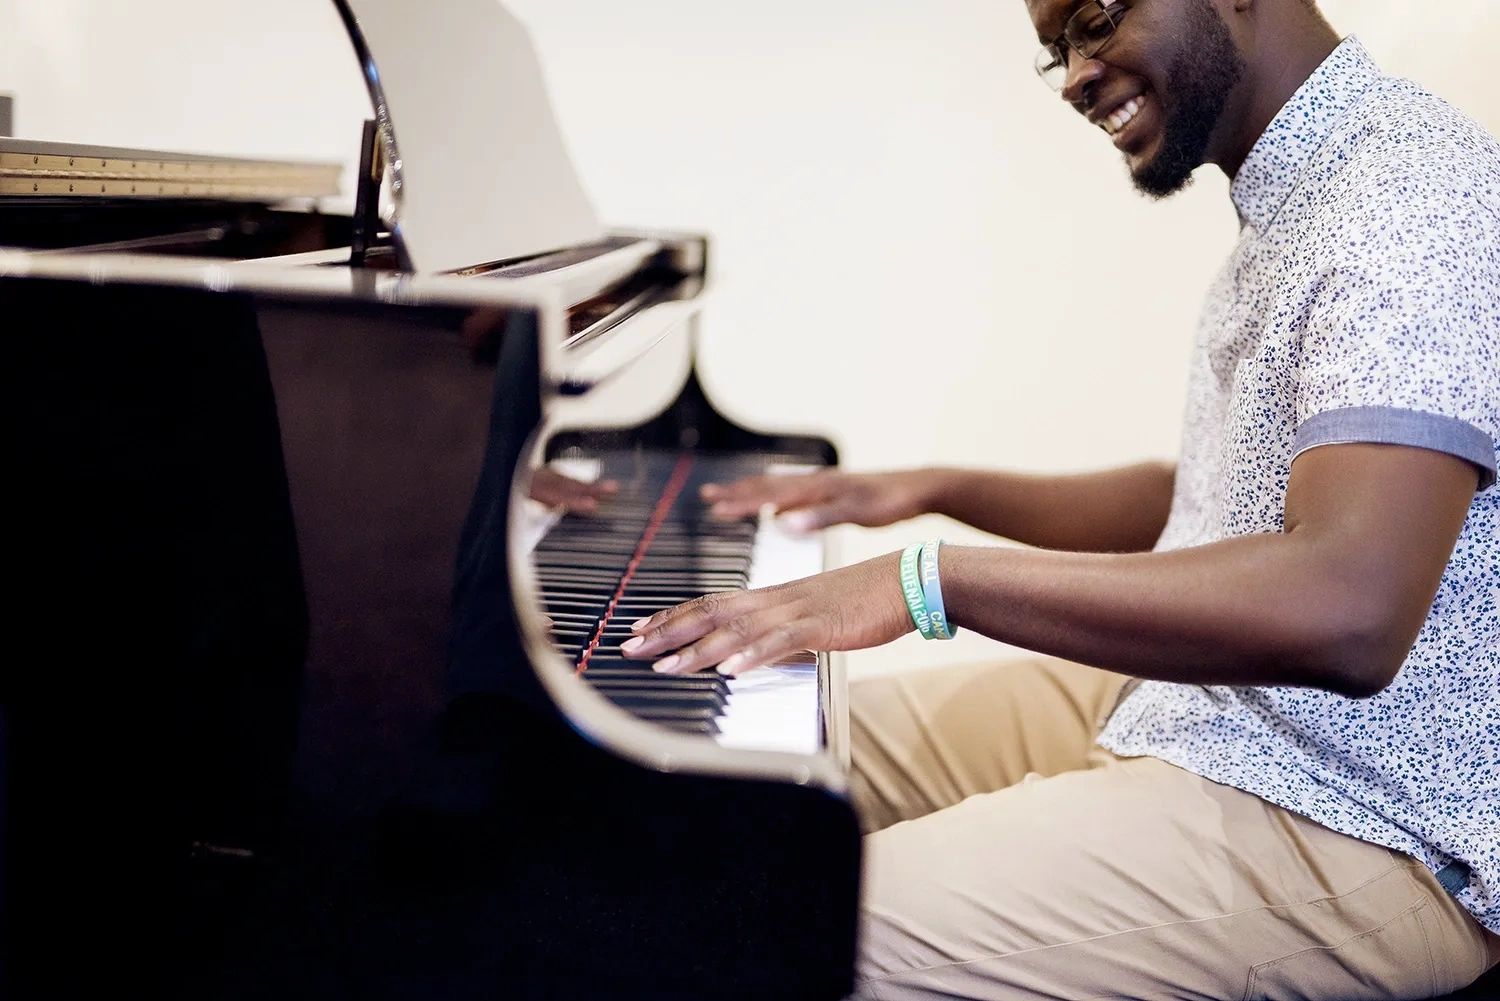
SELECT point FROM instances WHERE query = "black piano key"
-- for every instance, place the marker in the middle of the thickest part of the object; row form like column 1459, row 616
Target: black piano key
column 584, row 561
column 663, row 697
column 690, row 724
column 605, row 582
column 605, row 659
column 638, row 588
column 578, row 627
column 662, row 704
column 572, row 633
column 707, row 727
column 649, row 693
column 647, row 676
column 708, row 693
column 562, row 619
column 564, row 599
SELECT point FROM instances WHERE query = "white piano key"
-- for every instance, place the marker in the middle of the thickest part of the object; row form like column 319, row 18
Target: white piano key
column 773, row 709
column 776, row 708
column 778, row 555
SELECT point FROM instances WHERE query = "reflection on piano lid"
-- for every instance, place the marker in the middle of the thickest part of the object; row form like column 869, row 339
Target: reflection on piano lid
column 288, row 484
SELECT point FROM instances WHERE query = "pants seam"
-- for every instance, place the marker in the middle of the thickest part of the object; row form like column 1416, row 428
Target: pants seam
column 1415, row 908
column 1132, row 931
column 1432, row 989
column 1483, row 961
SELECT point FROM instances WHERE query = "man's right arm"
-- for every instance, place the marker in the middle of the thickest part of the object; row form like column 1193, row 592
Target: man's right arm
column 1117, row 510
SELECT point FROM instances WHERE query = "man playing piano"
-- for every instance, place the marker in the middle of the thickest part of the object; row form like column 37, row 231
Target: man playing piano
column 1262, row 757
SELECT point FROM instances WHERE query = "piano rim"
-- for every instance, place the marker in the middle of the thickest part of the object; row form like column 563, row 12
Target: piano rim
column 317, row 274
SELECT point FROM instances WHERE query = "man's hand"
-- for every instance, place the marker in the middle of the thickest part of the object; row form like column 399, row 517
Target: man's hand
column 1334, row 601
column 810, row 501
column 849, row 609
column 556, row 490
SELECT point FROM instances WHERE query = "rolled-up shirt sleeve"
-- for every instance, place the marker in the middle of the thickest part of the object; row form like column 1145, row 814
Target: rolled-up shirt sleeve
column 1408, row 354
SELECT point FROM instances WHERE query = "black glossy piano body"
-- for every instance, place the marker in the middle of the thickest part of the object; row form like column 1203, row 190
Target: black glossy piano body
column 283, row 715
column 283, row 718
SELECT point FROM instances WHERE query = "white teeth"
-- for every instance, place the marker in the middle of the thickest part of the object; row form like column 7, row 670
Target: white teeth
column 1121, row 117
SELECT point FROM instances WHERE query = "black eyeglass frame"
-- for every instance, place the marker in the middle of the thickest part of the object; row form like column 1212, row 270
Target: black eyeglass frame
column 1052, row 56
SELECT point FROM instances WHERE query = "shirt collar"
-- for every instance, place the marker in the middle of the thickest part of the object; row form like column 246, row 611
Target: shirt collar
column 1276, row 161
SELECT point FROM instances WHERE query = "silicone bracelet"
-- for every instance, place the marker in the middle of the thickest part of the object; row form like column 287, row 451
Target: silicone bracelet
column 911, row 588
column 932, row 591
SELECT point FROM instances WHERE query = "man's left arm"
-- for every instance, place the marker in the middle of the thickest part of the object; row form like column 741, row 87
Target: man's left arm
column 1334, row 601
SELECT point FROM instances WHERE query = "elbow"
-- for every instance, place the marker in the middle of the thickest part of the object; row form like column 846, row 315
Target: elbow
column 1363, row 651
column 1360, row 681
column 1339, row 637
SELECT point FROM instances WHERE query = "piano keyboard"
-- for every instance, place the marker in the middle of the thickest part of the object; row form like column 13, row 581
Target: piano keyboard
column 651, row 547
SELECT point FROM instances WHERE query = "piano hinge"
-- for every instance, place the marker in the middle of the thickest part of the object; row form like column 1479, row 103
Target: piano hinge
column 367, row 194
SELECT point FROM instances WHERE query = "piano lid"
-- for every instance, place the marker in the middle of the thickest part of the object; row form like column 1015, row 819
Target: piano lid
column 479, row 171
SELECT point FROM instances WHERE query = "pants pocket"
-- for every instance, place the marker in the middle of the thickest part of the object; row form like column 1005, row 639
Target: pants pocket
column 1389, row 962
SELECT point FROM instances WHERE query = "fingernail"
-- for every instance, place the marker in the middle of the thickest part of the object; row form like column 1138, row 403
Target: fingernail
column 610, row 485
column 633, row 644
column 667, row 664
column 799, row 521
column 710, row 490
column 732, row 663
column 639, row 624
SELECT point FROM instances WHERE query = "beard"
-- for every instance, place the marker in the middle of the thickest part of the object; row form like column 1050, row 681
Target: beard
column 1200, row 81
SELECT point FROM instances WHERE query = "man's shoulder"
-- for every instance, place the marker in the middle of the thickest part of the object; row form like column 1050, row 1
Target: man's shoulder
column 1405, row 169
column 1403, row 140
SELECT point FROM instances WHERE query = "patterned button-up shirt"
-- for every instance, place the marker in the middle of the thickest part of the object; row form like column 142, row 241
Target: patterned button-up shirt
column 1361, row 304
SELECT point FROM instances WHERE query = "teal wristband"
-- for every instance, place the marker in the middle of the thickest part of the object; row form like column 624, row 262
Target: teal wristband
column 911, row 588
column 932, row 591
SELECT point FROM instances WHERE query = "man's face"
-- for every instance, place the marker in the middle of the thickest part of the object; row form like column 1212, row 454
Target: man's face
column 1173, row 63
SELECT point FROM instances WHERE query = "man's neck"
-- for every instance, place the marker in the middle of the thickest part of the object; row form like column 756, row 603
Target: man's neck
column 1284, row 60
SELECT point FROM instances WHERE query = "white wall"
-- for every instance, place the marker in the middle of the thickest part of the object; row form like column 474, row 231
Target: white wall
column 270, row 78
column 918, row 249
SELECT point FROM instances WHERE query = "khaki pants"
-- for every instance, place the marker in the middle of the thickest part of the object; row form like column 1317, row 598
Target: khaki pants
column 1008, row 856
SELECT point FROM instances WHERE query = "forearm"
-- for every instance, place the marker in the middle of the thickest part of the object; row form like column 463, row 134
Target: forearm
column 1334, row 600
column 1258, row 610
column 1114, row 511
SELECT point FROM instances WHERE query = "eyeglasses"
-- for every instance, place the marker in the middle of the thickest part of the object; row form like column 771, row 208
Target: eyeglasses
column 1089, row 29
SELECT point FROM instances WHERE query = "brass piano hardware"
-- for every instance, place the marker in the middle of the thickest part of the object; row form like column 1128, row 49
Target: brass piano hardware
column 48, row 168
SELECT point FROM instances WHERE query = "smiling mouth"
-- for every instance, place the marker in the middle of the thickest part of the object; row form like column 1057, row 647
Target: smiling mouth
column 1117, row 120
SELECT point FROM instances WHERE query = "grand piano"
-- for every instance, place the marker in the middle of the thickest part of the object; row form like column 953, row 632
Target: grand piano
column 310, row 693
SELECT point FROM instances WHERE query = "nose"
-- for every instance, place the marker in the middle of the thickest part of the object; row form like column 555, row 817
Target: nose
column 1082, row 74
